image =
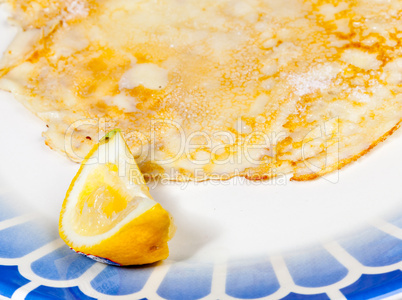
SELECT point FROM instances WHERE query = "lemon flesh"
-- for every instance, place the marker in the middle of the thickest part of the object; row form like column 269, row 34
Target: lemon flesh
column 108, row 213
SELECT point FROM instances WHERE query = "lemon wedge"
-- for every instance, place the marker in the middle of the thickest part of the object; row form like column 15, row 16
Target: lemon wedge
column 108, row 213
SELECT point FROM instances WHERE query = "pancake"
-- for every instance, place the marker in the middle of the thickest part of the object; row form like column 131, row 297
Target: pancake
column 211, row 90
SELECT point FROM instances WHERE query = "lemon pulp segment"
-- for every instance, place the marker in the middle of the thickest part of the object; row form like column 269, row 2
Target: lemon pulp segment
column 103, row 202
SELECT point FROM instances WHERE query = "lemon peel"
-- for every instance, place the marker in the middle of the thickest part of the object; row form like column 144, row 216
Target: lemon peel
column 108, row 213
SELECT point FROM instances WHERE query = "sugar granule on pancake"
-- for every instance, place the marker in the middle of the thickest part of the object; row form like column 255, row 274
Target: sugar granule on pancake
column 206, row 89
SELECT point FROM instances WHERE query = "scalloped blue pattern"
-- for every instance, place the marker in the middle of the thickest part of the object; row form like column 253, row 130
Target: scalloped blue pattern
column 315, row 267
column 294, row 296
column 363, row 265
column 51, row 293
column 22, row 239
column 61, row 264
column 187, row 281
column 10, row 280
column 371, row 286
column 251, row 279
column 374, row 248
column 119, row 281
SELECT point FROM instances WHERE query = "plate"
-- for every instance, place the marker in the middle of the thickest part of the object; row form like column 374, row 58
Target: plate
column 338, row 237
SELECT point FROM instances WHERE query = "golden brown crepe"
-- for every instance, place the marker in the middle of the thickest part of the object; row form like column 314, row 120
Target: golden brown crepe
column 208, row 89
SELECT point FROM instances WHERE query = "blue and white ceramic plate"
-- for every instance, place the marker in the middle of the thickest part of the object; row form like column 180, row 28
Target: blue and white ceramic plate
column 339, row 237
